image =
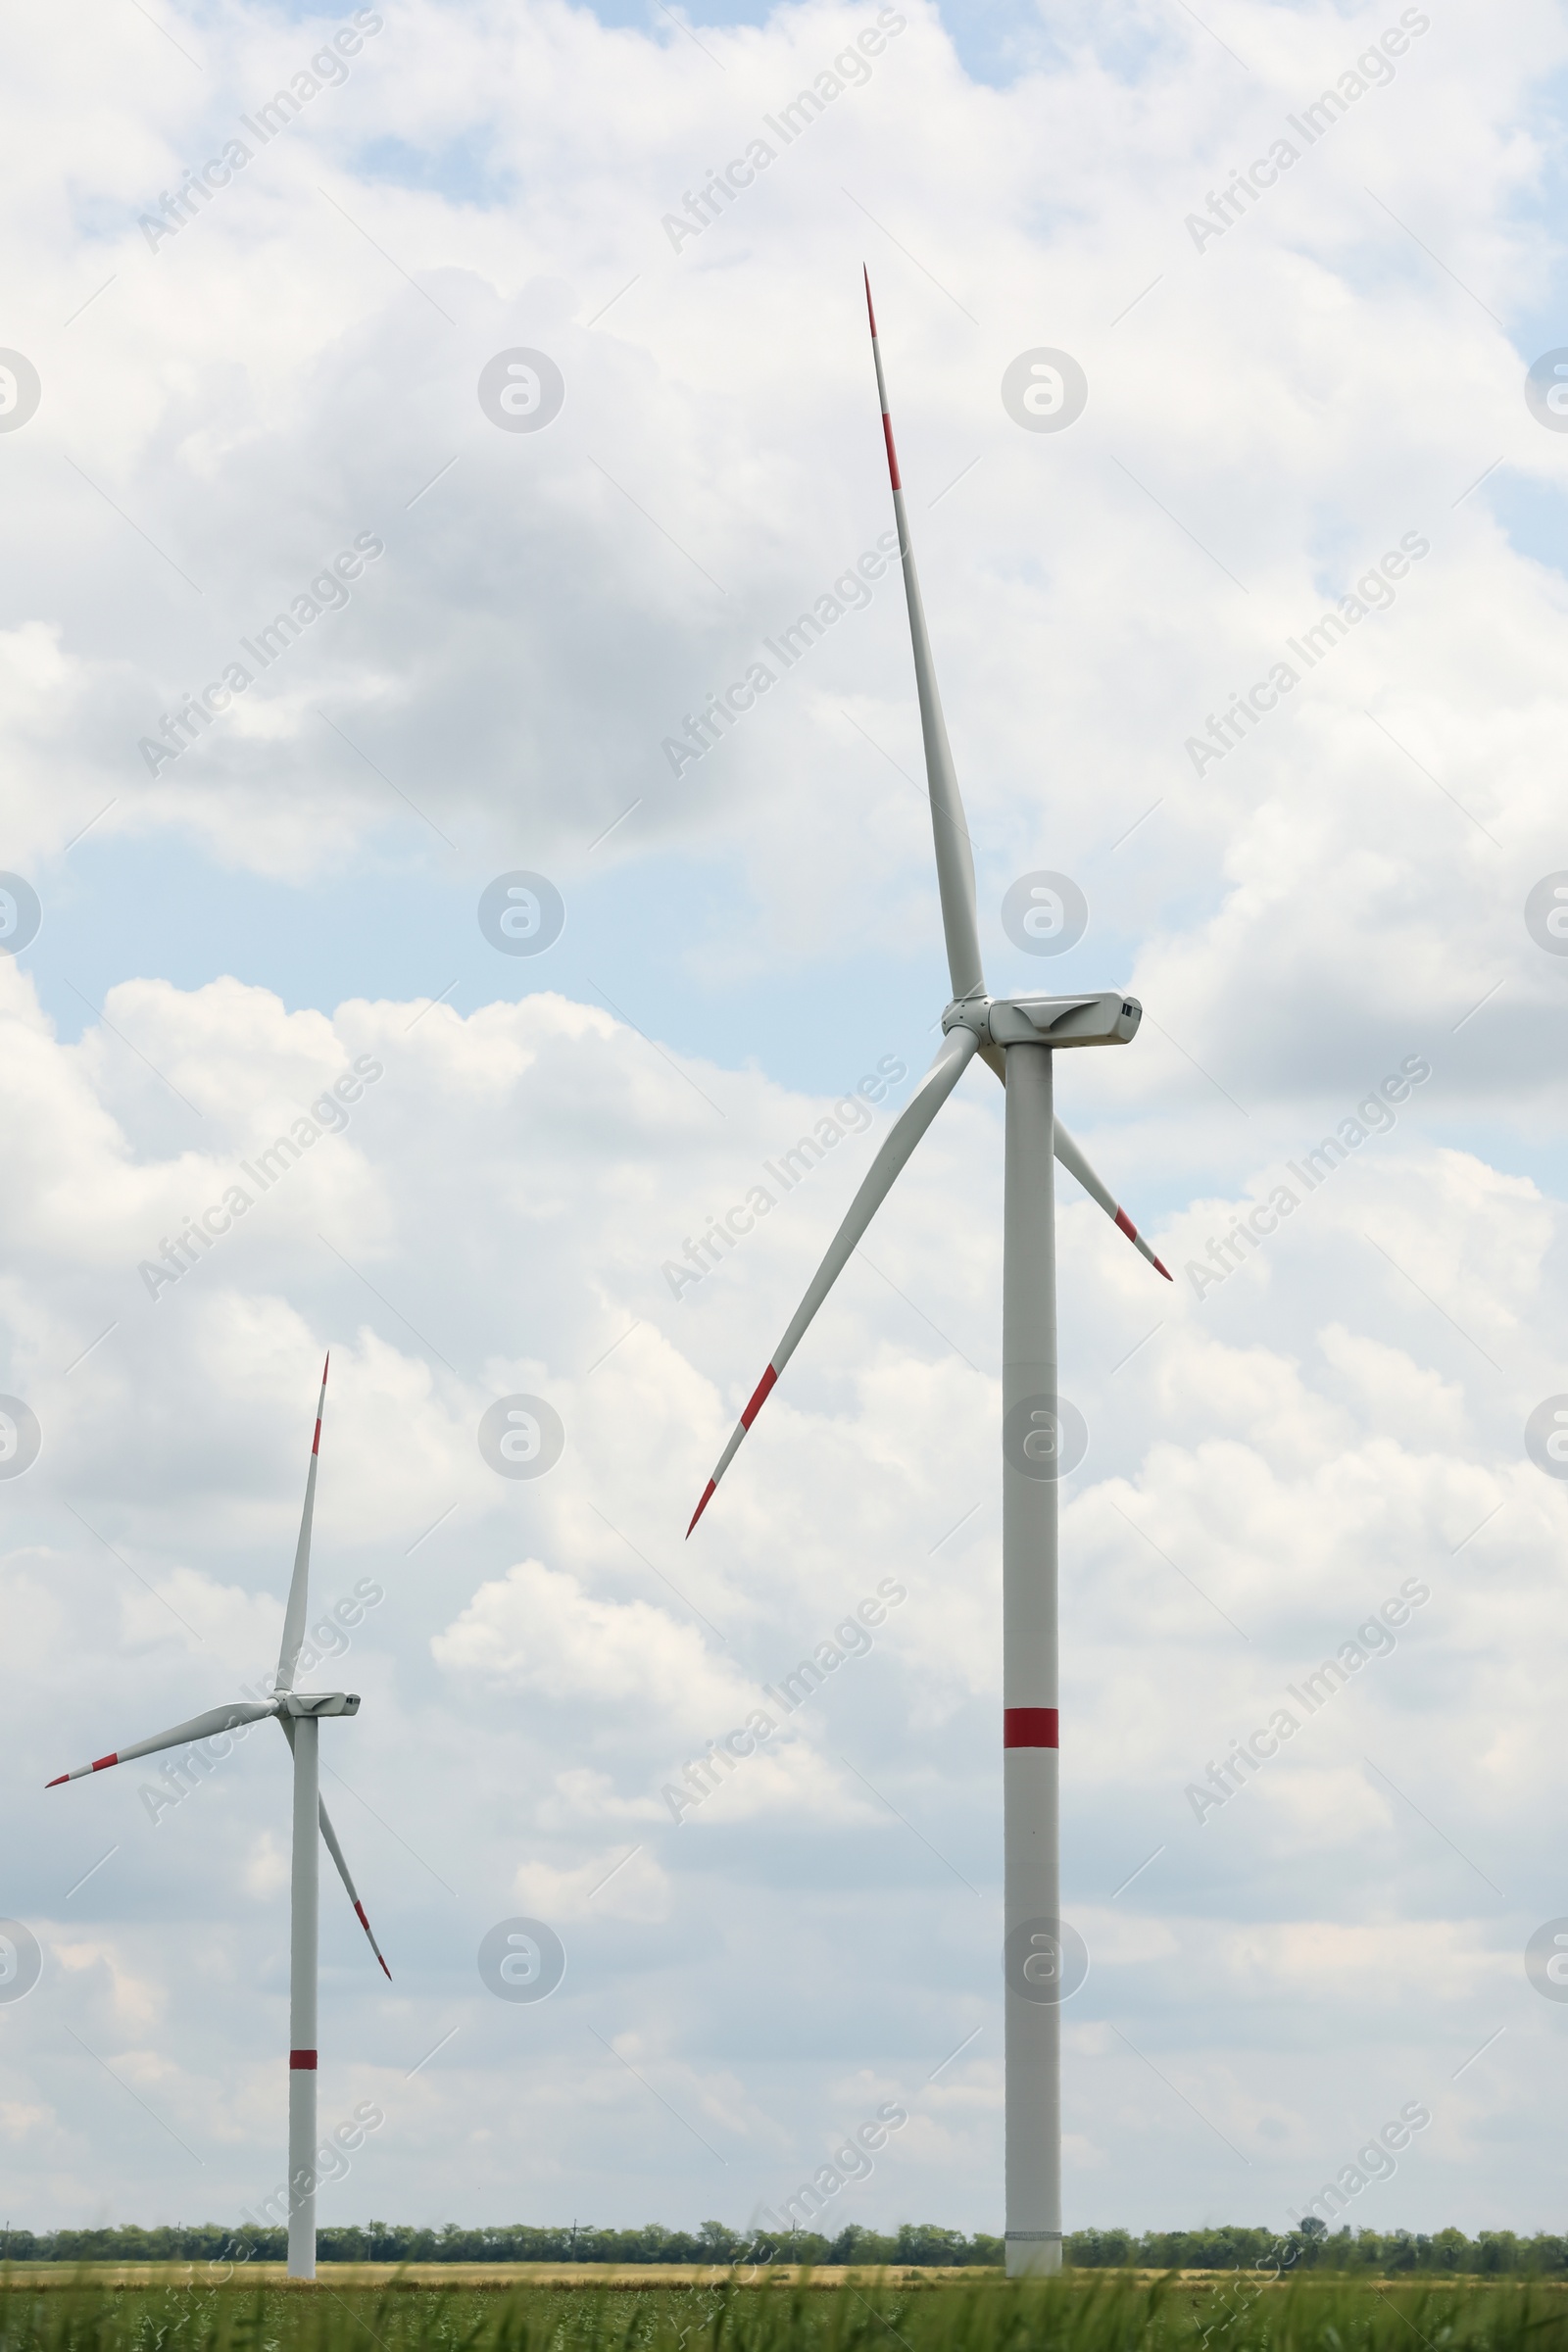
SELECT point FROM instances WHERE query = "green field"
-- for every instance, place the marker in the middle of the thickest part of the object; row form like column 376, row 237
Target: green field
column 853, row 2312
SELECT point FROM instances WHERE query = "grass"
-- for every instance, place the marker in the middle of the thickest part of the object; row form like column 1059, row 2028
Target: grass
column 1085, row 2312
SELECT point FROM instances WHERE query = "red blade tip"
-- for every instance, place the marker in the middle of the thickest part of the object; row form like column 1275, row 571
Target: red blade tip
column 760, row 1397
column 1165, row 1270
column 869, row 312
column 385, row 1971
column 58, row 1783
column 325, row 1367
column 708, row 1497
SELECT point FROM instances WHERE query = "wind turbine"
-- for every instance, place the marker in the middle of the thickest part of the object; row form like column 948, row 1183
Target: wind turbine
column 1018, row 1037
column 298, row 1714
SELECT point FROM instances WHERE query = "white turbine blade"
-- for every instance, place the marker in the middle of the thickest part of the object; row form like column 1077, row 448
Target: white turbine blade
column 330, row 1834
column 336, row 1852
column 299, row 1594
column 953, row 1059
column 1073, row 1160
column 200, row 1727
column 955, row 859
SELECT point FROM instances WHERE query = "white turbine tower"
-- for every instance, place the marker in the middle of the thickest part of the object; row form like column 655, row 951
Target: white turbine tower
column 1018, row 1037
column 298, row 1714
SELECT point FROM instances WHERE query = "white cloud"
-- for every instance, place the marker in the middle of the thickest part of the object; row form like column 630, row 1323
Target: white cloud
column 629, row 1884
column 537, row 1631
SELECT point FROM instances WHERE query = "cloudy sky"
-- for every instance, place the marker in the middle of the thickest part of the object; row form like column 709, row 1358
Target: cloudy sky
column 1314, row 381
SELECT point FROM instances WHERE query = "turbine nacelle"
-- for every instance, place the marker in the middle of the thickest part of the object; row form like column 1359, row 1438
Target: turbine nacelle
column 1097, row 1020
column 316, row 1704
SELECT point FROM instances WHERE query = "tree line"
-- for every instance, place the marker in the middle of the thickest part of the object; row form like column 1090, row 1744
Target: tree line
column 1492, row 2253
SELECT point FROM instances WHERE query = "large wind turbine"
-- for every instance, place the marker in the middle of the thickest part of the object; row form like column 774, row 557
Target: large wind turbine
column 1019, row 1038
column 298, row 1714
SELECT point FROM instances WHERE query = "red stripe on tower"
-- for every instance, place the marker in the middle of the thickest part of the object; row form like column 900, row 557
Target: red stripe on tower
column 1029, row 1727
column 763, row 1390
column 302, row 2062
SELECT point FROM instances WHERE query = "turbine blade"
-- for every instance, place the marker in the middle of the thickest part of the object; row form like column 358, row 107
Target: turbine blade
column 953, row 1059
column 299, row 1591
column 200, row 1727
column 336, row 1852
column 329, row 1836
column 1073, row 1160
column 954, row 858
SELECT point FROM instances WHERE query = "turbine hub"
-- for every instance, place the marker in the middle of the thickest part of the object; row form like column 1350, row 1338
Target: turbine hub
column 1083, row 1021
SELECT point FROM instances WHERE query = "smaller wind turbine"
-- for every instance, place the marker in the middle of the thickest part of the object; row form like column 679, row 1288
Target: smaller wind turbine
column 297, row 1713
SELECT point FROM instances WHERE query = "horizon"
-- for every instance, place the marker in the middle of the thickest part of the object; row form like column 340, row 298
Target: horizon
column 391, row 506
